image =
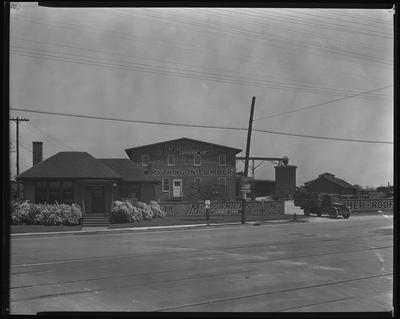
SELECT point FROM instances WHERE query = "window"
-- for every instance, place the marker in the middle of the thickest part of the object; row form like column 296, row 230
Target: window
column 145, row 159
column 51, row 191
column 171, row 160
column 222, row 160
column 165, row 185
column 197, row 179
column 41, row 192
column 67, row 192
column 197, row 159
column 54, row 192
column 222, row 182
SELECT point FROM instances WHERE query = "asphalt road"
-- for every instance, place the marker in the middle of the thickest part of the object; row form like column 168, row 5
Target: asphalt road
column 323, row 265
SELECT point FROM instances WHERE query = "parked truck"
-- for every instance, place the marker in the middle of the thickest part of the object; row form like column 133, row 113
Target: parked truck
column 321, row 203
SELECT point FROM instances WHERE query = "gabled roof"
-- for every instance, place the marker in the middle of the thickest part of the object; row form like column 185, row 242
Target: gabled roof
column 330, row 177
column 184, row 139
column 80, row 165
column 128, row 170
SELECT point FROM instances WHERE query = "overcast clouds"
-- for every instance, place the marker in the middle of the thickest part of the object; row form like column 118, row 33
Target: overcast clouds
column 202, row 66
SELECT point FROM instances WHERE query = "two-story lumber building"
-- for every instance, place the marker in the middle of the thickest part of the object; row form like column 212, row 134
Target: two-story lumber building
column 181, row 162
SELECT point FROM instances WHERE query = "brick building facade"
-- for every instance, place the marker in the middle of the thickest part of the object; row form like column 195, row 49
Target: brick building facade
column 180, row 163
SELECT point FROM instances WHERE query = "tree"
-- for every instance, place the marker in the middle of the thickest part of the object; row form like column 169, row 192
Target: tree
column 200, row 191
column 364, row 190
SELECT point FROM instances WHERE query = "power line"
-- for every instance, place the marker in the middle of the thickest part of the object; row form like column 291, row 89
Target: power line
column 321, row 104
column 325, row 138
column 77, row 27
column 323, row 25
column 322, row 90
column 194, row 125
column 263, row 37
column 368, row 24
column 256, row 20
column 365, row 18
column 183, row 73
column 25, row 147
column 51, row 140
column 231, row 31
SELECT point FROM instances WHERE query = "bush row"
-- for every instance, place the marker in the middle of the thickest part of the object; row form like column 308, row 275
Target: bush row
column 130, row 211
column 24, row 212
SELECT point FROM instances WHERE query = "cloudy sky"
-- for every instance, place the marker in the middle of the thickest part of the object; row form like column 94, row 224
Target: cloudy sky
column 316, row 72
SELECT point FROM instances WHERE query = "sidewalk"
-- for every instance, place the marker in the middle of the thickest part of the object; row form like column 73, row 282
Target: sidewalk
column 104, row 230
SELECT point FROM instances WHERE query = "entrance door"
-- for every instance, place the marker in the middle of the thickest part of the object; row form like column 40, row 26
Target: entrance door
column 176, row 188
column 97, row 199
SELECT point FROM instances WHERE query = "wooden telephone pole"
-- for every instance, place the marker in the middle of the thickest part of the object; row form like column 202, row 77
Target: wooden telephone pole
column 246, row 162
column 17, row 120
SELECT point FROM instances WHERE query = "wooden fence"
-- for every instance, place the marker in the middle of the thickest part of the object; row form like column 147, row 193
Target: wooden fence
column 255, row 208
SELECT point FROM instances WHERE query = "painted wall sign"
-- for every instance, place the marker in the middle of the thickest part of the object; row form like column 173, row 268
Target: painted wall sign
column 223, row 208
column 193, row 171
column 179, row 149
column 369, row 204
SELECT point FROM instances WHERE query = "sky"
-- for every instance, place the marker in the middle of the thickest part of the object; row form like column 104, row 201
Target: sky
column 326, row 73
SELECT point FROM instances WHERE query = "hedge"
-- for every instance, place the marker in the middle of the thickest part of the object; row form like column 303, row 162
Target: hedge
column 129, row 211
column 24, row 212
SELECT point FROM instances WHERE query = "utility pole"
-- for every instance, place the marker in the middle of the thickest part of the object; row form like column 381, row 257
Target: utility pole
column 17, row 120
column 246, row 162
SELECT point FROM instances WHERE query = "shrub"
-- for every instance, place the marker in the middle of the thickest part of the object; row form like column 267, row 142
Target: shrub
column 119, row 212
column 145, row 210
column 70, row 214
column 132, row 211
column 45, row 214
column 156, row 209
column 20, row 212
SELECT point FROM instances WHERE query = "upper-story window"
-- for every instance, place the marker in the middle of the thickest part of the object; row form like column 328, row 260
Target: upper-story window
column 171, row 160
column 197, row 159
column 222, row 159
column 222, row 182
column 145, row 159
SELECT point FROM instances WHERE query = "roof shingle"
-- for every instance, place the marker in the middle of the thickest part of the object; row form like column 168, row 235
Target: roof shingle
column 128, row 170
column 330, row 177
column 183, row 139
column 76, row 165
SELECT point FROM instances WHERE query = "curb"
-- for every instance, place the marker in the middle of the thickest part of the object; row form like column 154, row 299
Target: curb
column 144, row 229
column 121, row 230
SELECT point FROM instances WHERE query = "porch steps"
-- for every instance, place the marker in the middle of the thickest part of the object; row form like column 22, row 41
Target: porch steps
column 95, row 220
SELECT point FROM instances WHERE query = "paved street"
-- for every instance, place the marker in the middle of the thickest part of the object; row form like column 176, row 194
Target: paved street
column 322, row 265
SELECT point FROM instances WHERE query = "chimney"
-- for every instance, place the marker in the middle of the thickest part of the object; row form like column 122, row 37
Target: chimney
column 37, row 152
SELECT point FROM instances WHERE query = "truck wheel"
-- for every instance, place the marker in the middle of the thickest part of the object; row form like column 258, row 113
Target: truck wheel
column 306, row 212
column 333, row 213
column 346, row 214
column 319, row 213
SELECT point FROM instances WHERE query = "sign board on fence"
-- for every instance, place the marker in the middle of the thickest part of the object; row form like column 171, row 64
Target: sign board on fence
column 369, row 204
column 223, row 208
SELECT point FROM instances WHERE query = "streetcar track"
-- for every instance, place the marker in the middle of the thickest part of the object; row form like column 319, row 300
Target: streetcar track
column 138, row 284
column 326, row 302
column 304, row 240
column 271, row 292
column 188, row 268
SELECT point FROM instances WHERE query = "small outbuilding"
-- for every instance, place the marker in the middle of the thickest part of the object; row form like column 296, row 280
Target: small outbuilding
column 78, row 177
column 328, row 183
